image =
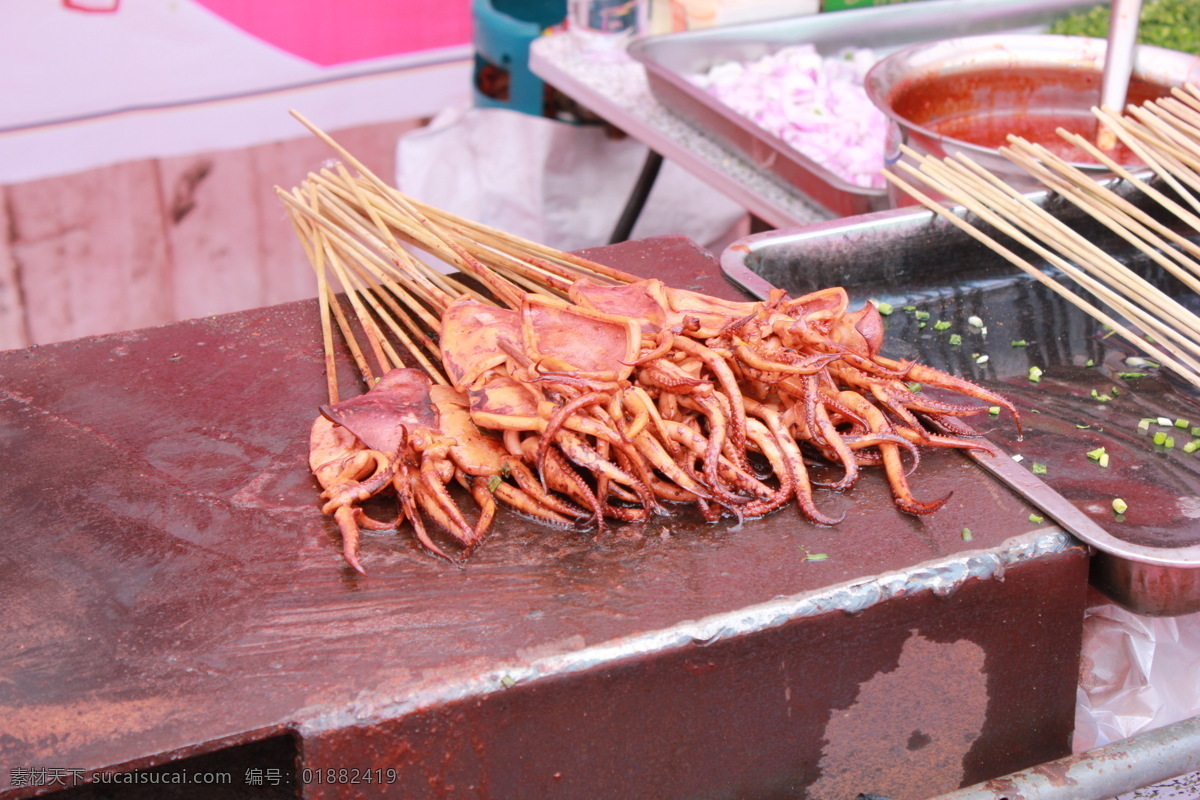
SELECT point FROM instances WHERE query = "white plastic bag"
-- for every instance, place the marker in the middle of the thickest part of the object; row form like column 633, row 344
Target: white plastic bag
column 1137, row 673
column 558, row 184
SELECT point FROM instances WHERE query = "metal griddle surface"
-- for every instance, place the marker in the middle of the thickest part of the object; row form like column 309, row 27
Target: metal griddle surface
column 169, row 587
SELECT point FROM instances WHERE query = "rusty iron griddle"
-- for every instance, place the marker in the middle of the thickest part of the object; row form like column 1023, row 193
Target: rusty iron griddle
column 172, row 598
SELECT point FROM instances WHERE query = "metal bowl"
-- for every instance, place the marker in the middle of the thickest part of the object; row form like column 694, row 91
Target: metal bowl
column 965, row 95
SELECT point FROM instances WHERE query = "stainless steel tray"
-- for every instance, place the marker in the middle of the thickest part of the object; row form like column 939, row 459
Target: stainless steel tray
column 1150, row 560
column 671, row 58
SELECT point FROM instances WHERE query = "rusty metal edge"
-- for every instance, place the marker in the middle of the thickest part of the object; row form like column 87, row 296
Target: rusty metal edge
column 1098, row 774
column 940, row 576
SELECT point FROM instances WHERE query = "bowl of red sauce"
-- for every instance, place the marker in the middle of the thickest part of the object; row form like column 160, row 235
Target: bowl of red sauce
column 968, row 95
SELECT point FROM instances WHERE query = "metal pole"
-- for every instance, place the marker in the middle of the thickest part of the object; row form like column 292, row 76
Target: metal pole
column 637, row 200
column 1099, row 774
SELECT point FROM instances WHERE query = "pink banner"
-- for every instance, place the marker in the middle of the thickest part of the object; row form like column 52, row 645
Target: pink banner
column 328, row 32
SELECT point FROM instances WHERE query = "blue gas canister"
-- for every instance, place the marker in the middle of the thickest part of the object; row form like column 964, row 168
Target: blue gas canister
column 504, row 30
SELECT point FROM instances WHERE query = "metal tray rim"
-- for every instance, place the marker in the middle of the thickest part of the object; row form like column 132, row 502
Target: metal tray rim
column 733, row 261
column 941, row 19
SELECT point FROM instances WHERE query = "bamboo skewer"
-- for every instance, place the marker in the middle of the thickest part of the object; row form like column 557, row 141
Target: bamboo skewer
column 428, row 293
column 994, row 245
column 1162, row 131
column 316, row 258
column 353, row 290
column 933, row 173
column 1186, row 94
column 1187, row 217
column 574, row 264
column 378, row 290
column 386, row 258
column 1160, row 165
column 1101, row 202
column 361, row 230
column 351, row 341
column 502, row 252
column 504, row 291
column 357, row 231
column 1055, row 286
column 1179, row 115
column 1166, row 136
column 1128, row 229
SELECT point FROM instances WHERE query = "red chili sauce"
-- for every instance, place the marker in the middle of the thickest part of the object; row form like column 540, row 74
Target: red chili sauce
column 984, row 106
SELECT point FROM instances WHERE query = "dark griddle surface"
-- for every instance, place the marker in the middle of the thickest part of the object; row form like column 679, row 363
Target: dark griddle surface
column 168, row 585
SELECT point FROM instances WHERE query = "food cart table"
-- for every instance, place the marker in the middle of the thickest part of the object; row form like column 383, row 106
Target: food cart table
column 175, row 605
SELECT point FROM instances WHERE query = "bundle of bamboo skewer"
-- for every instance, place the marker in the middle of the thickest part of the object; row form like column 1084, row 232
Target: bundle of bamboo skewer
column 1165, row 135
column 575, row 392
column 369, row 243
column 367, row 236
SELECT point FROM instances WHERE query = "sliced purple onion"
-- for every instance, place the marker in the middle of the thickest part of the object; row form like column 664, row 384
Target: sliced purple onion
column 815, row 104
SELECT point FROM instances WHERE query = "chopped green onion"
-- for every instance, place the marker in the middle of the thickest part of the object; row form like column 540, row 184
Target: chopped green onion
column 816, row 556
column 1089, row 363
column 966, row 535
column 1019, row 343
column 913, row 386
column 981, row 359
column 994, row 410
column 1144, row 425
column 507, row 682
column 1103, row 398
column 1160, row 437
column 955, row 340
column 974, row 321
column 1191, row 446
column 1036, row 519
column 1082, row 427
column 1039, row 469
column 1182, row 423
column 910, row 308
column 493, row 482
column 884, row 308
column 921, row 315
column 1169, row 443
column 1018, row 457
column 1119, row 505
column 941, row 325
column 1166, row 423
column 1130, row 375
column 1035, row 374
column 1104, row 460
column 1095, row 455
